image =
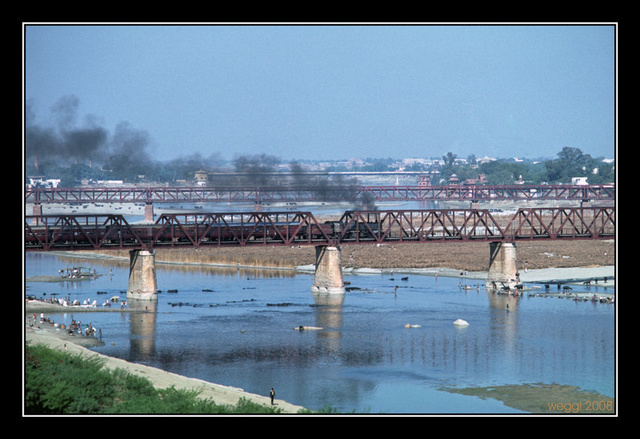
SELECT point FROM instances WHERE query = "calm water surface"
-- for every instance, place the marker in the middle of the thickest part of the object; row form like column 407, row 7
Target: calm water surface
column 241, row 334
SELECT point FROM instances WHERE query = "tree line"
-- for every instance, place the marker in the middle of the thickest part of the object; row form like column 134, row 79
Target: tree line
column 570, row 163
column 262, row 170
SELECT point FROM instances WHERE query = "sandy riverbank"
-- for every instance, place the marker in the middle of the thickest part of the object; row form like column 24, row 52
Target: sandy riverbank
column 464, row 256
column 31, row 306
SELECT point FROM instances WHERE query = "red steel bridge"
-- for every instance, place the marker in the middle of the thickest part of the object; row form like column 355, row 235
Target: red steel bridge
column 274, row 194
column 103, row 232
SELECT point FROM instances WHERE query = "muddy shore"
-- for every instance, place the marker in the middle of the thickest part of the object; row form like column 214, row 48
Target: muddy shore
column 471, row 256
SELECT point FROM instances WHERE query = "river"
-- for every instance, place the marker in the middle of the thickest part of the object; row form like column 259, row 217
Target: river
column 236, row 327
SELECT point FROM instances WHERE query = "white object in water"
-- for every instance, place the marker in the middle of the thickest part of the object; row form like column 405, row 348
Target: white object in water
column 461, row 322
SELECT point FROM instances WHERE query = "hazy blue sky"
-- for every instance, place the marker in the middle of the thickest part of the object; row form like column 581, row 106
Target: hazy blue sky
column 326, row 91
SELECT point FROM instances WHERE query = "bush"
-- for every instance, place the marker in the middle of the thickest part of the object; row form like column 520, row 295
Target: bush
column 60, row 383
column 57, row 382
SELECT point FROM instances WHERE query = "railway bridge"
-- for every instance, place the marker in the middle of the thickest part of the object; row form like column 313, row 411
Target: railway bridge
column 243, row 229
column 474, row 194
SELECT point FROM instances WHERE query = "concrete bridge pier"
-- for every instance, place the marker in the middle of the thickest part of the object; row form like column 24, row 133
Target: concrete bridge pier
column 148, row 212
column 502, row 265
column 142, row 275
column 37, row 210
column 328, row 275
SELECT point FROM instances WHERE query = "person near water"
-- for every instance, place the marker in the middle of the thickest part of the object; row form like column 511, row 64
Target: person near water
column 272, row 394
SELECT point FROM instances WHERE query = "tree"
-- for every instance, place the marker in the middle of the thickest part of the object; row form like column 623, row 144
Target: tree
column 449, row 165
column 449, row 159
column 571, row 162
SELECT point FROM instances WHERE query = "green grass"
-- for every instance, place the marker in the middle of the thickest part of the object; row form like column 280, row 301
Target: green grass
column 57, row 382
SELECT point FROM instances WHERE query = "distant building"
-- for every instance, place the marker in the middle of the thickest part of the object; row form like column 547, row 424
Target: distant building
column 38, row 181
column 454, row 179
column 482, row 179
column 485, row 159
column 579, row 181
column 202, row 177
column 424, row 180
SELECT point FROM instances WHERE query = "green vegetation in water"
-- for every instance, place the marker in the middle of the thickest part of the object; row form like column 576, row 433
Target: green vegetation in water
column 61, row 383
column 544, row 398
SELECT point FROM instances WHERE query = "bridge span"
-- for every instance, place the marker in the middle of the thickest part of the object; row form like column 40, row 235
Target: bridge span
column 138, row 194
column 240, row 229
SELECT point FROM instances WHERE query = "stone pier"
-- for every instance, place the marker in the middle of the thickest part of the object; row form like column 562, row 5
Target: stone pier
column 328, row 276
column 142, row 275
column 502, row 265
column 37, row 210
column 148, row 212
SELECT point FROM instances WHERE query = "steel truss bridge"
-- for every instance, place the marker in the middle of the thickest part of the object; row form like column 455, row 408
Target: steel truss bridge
column 184, row 230
column 346, row 193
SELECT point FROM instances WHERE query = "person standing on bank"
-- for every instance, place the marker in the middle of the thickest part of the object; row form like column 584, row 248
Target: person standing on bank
column 272, row 394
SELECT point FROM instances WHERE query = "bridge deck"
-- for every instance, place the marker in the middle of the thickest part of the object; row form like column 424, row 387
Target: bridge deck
column 329, row 193
column 103, row 232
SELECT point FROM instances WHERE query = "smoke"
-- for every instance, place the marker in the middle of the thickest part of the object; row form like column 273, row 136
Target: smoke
column 256, row 170
column 336, row 188
column 262, row 170
column 66, row 141
column 124, row 153
column 128, row 153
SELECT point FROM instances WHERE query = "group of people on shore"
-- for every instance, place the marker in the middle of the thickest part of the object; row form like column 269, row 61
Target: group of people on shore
column 66, row 301
column 74, row 328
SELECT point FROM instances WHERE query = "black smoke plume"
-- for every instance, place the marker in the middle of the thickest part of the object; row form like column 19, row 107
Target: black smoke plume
column 64, row 141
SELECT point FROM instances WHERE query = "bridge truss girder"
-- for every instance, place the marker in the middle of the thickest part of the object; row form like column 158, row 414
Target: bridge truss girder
column 104, row 232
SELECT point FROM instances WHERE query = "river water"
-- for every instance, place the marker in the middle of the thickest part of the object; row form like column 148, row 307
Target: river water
column 236, row 327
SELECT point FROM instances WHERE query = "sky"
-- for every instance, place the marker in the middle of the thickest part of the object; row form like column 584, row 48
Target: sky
column 330, row 91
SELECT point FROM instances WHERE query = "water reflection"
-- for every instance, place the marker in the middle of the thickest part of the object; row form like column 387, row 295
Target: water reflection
column 187, row 267
column 504, row 317
column 142, row 327
column 224, row 271
column 328, row 313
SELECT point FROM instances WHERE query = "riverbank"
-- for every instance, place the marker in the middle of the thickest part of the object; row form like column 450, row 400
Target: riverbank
column 36, row 306
column 160, row 379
